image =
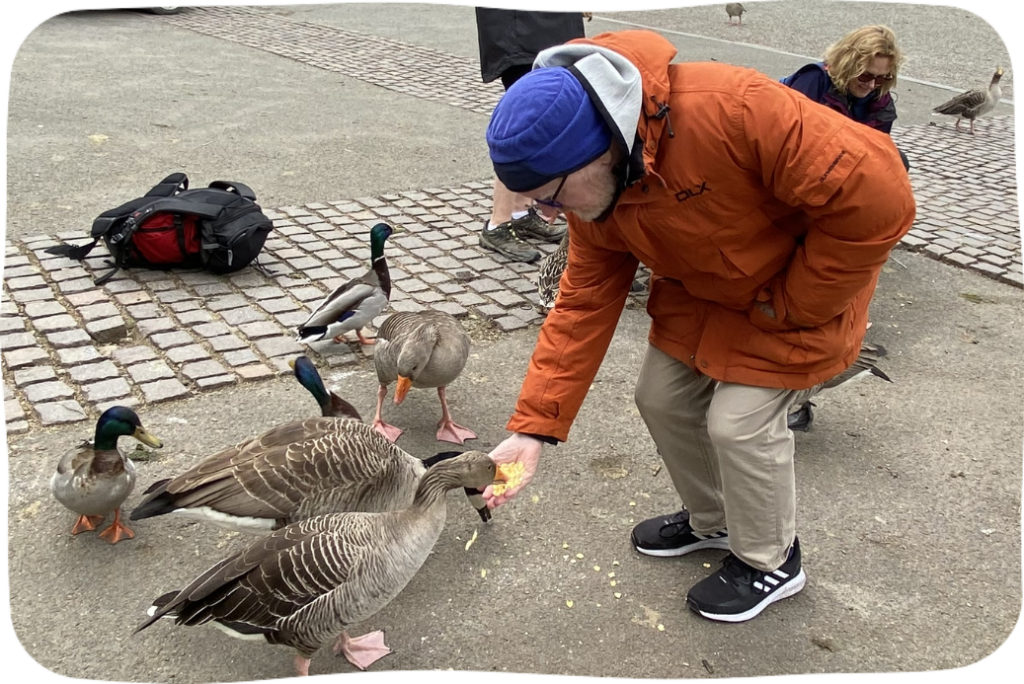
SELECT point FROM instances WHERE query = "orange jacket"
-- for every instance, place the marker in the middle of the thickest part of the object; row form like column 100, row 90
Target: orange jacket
column 761, row 197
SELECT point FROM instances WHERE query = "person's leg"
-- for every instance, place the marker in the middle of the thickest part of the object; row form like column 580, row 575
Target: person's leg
column 673, row 402
column 499, row 234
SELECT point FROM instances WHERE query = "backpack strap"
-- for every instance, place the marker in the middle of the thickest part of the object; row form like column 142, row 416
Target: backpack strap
column 172, row 185
column 240, row 189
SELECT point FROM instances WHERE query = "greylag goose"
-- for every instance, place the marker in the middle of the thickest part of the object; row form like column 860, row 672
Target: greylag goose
column 734, row 9
column 801, row 417
column 95, row 478
column 973, row 103
column 353, row 305
column 423, row 349
column 309, row 582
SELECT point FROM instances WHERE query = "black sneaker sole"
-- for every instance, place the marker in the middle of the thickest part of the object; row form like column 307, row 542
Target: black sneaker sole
column 789, row 589
column 721, row 543
column 510, row 255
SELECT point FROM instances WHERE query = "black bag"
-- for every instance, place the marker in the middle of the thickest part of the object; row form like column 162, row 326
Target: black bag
column 219, row 228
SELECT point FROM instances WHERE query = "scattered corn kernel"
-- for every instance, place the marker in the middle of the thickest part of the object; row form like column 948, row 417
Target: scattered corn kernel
column 512, row 473
column 579, row 555
column 483, row 572
column 597, row 568
column 661, row 628
column 569, row 604
column 470, row 542
column 614, row 583
column 611, row 574
column 618, row 595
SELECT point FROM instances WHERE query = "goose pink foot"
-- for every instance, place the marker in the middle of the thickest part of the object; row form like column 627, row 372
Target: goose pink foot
column 390, row 432
column 449, row 431
column 362, row 651
column 301, row 666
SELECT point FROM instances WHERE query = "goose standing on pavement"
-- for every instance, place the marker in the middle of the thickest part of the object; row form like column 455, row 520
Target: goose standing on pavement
column 307, row 583
column 422, row 349
column 95, row 478
column 734, row 9
column 974, row 103
column 353, row 305
column 800, row 417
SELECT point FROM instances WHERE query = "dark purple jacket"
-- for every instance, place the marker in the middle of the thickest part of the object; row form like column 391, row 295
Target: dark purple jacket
column 813, row 81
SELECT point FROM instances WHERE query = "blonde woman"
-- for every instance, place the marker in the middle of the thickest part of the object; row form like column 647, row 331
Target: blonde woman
column 856, row 77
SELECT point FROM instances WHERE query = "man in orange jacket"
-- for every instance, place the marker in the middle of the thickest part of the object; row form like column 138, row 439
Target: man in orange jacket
column 765, row 220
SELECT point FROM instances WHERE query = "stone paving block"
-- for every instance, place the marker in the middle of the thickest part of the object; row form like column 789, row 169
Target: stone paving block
column 413, row 285
column 141, row 312
column 485, row 285
column 126, row 356
column 256, row 372
column 451, row 308
column 175, row 297
column 989, row 269
column 226, row 343
column 491, row 311
column 191, row 318
column 18, row 340
column 207, row 330
column 78, row 355
column 241, row 316
column 449, row 288
column 42, row 309
column 98, row 311
column 106, row 390
column 521, row 285
column 9, row 324
column 169, row 340
column 36, row 295
column 308, row 294
column 278, row 346
column 265, row 292
column 149, row 371
column 407, row 305
column 212, row 289
column 69, row 274
column 292, row 320
column 510, row 323
column 152, row 326
column 121, row 286
column 104, row 370
column 21, row 358
column 203, row 369
column 240, row 357
column 191, row 352
column 282, row 305
column 506, row 298
column 184, row 306
column 54, row 323
column 216, row 381
column 469, row 299
column 261, row 329
column 25, row 282
column 59, row 412
column 428, row 297
column 13, row 411
column 76, row 285
column 68, row 338
column 160, row 282
column 107, row 330
column 248, row 279
column 163, row 390
column 321, row 274
column 995, row 260
column 15, row 259
column 193, row 278
column 32, row 375
column 226, row 302
column 128, row 402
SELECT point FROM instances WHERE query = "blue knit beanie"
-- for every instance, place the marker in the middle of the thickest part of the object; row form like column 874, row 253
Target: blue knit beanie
column 543, row 128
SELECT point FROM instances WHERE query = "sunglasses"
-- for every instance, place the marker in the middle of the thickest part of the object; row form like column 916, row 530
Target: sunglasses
column 872, row 78
column 551, row 203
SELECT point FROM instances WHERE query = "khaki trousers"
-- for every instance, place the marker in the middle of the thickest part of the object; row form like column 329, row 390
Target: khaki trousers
column 729, row 451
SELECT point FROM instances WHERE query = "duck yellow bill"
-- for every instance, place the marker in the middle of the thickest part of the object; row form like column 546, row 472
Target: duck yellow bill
column 147, row 438
column 402, row 388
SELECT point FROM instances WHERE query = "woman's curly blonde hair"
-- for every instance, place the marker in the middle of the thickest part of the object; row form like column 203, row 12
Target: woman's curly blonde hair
column 851, row 56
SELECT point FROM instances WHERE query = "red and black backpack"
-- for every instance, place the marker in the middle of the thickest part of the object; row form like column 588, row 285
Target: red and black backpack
column 220, row 228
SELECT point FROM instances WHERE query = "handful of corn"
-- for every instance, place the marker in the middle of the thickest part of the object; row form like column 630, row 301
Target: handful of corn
column 512, row 473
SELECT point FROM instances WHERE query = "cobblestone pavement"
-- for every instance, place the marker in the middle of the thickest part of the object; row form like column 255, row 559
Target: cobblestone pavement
column 71, row 349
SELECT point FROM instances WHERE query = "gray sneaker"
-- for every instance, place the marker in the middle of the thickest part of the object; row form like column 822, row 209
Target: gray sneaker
column 503, row 239
column 532, row 225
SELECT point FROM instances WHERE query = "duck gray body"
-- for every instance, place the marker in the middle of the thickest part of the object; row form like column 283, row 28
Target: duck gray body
column 308, row 582
column 973, row 103
column 301, row 469
column 801, row 415
column 93, row 482
column 422, row 349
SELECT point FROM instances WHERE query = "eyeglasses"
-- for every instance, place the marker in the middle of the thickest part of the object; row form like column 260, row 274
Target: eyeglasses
column 551, row 203
column 867, row 77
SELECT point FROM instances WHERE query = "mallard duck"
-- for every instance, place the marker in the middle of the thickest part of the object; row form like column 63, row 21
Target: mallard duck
column 357, row 302
column 291, row 472
column 734, row 9
column 973, row 103
column 422, row 349
column 331, row 405
column 550, row 273
column 95, row 478
column 310, row 581
column 801, row 417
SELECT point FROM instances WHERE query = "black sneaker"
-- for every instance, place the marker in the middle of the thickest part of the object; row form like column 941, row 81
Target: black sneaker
column 532, row 225
column 504, row 240
column 672, row 535
column 738, row 592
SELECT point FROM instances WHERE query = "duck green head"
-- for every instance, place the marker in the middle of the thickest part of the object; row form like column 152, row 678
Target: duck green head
column 308, row 377
column 121, row 421
column 378, row 235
